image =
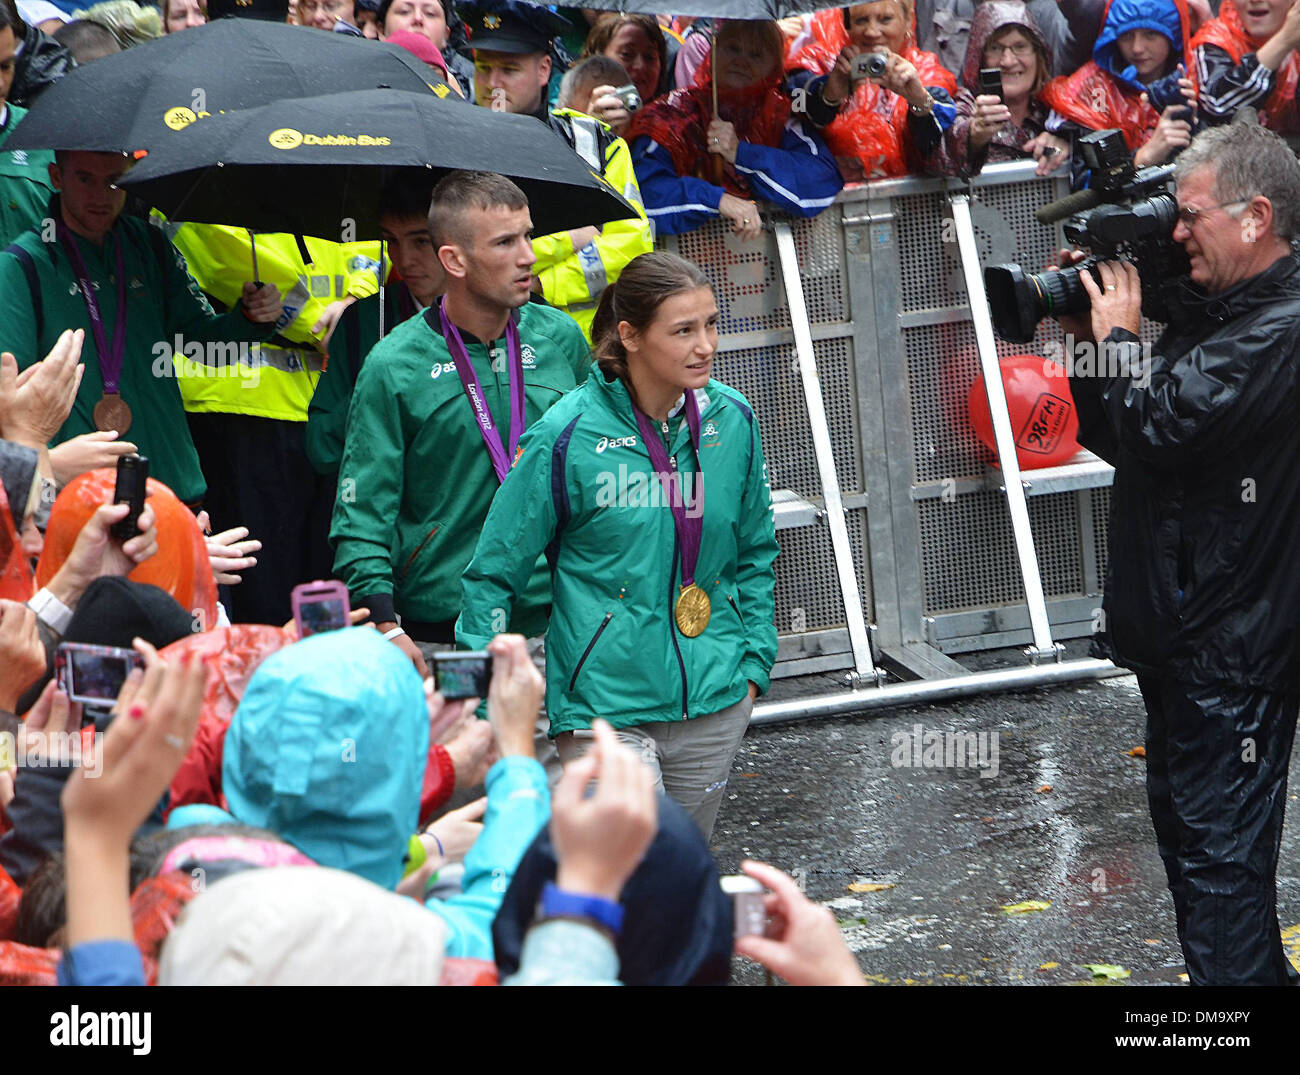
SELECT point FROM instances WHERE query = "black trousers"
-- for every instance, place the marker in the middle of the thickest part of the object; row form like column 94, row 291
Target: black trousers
column 1217, row 759
column 258, row 476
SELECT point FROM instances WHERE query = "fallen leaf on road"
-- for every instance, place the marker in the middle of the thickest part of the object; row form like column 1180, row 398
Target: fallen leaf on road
column 1106, row 970
column 1025, row 906
column 1137, row 752
column 1044, row 789
column 867, row 886
column 1049, row 966
column 748, row 774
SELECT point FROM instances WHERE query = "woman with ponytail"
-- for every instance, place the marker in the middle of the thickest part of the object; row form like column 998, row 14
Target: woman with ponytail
column 646, row 489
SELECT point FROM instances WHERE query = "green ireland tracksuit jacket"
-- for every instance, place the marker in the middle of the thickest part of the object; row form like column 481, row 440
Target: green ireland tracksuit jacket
column 416, row 480
column 584, row 490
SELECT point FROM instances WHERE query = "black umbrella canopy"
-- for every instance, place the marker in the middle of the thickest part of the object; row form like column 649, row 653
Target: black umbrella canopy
column 315, row 165
column 140, row 98
column 721, row 9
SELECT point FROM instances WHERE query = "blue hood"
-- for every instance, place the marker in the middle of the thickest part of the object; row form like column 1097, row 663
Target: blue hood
column 328, row 750
column 1125, row 15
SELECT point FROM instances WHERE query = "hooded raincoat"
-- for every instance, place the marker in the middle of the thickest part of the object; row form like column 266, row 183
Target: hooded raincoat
column 1105, row 93
column 955, row 157
column 780, row 159
column 328, row 750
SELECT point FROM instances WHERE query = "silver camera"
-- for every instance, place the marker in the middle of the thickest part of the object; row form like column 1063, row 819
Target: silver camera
column 628, row 95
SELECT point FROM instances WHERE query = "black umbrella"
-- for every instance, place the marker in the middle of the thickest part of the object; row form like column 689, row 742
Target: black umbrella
column 139, row 99
column 314, row 166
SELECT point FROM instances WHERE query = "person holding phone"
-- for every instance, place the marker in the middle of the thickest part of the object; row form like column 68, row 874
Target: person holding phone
column 1005, row 120
column 883, row 124
column 648, row 490
column 1137, row 82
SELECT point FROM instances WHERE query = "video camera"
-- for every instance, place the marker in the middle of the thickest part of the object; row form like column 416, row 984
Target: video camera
column 1125, row 213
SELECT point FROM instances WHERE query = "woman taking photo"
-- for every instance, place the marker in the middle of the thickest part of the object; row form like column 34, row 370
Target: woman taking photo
column 884, row 124
column 647, row 490
column 989, row 128
column 693, row 165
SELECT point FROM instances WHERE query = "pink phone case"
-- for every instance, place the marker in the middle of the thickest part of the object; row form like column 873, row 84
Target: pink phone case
column 311, row 594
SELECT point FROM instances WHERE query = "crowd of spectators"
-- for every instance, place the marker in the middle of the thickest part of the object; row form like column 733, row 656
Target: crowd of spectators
column 241, row 768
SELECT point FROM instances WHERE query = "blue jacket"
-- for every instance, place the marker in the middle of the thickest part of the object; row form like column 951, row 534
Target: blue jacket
column 1122, row 16
column 800, row 176
column 328, row 750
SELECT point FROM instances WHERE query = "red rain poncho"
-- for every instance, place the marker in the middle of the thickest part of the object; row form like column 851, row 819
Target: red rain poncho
column 872, row 127
column 1281, row 112
column 679, row 122
column 16, row 582
column 1093, row 98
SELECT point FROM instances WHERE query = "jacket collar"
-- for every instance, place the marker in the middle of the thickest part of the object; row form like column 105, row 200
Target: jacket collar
column 620, row 400
column 1277, row 280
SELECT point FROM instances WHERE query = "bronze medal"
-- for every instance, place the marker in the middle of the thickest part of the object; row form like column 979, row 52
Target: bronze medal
column 112, row 412
column 692, row 611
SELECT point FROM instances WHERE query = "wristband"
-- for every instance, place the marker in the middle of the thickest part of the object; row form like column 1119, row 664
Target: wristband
column 556, row 903
column 429, row 832
column 389, row 635
column 50, row 611
column 926, row 111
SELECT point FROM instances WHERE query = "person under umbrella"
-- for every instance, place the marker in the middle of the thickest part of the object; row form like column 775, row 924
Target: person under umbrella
column 127, row 286
column 696, row 159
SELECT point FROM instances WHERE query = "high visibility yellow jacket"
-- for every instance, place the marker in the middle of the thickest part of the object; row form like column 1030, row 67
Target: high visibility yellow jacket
column 220, row 258
column 571, row 281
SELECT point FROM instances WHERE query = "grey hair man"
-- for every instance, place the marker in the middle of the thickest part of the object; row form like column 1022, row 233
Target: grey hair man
column 1203, row 583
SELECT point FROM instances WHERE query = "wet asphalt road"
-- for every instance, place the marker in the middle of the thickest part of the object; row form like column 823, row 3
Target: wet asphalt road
column 821, row 800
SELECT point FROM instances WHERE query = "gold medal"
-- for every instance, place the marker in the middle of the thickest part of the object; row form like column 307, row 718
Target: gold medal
column 692, row 611
column 112, row 412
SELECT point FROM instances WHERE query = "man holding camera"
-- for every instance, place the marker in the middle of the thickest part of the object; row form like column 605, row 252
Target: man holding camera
column 1203, row 587
column 512, row 64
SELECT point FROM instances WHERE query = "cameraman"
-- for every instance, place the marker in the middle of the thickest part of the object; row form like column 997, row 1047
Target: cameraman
column 1203, row 586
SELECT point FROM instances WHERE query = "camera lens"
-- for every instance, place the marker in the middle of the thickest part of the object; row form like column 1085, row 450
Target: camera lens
column 1019, row 300
column 876, row 64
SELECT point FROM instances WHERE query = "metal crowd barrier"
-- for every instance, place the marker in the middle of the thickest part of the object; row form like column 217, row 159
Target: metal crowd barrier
column 904, row 541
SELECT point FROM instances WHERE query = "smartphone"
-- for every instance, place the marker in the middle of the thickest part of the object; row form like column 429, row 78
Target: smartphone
column 991, row 83
column 462, row 674
column 93, row 675
column 320, row 606
column 868, row 65
column 748, row 914
column 132, row 479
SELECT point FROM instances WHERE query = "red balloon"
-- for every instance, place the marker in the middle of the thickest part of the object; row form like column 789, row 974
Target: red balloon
column 1044, row 421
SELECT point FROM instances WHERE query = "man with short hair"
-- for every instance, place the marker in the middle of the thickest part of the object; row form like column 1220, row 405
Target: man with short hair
column 438, row 409
column 512, row 66
column 88, row 266
column 24, row 174
column 415, row 283
column 1203, row 584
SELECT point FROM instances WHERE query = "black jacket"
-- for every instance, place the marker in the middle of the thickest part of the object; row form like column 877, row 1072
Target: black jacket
column 1203, row 581
column 42, row 62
